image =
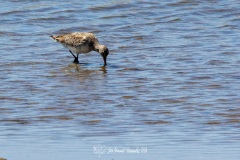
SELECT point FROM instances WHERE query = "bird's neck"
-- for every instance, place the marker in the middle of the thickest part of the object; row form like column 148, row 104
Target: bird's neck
column 97, row 46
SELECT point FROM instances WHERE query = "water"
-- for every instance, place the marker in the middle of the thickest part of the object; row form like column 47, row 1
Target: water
column 171, row 89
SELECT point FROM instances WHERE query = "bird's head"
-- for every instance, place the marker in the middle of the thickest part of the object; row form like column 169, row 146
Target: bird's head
column 103, row 50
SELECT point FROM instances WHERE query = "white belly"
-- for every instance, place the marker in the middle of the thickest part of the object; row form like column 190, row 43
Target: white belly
column 79, row 50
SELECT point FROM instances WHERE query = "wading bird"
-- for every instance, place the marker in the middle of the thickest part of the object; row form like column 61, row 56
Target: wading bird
column 82, row 42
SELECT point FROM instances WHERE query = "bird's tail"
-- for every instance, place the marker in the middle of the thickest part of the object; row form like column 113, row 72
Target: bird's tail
column 57, row 38
column 54, row 38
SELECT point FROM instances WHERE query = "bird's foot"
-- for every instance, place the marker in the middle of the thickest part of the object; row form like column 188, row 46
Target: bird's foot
column 76, row 61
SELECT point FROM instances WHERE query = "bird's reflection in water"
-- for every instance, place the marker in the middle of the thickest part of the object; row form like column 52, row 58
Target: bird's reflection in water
column 103, row 69
column 83, row 71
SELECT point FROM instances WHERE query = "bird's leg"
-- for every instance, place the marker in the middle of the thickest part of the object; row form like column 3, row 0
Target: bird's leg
column 72, row 54
column 75, row 58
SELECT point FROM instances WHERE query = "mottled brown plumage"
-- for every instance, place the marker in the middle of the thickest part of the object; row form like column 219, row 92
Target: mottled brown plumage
column 82, row 42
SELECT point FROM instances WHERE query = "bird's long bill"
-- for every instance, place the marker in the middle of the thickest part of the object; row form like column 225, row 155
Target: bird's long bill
column 105, row 60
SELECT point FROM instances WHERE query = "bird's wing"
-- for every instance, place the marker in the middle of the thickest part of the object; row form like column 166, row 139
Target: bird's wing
column 71, row 39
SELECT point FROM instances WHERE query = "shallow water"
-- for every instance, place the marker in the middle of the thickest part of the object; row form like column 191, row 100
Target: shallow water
column 171, row 89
